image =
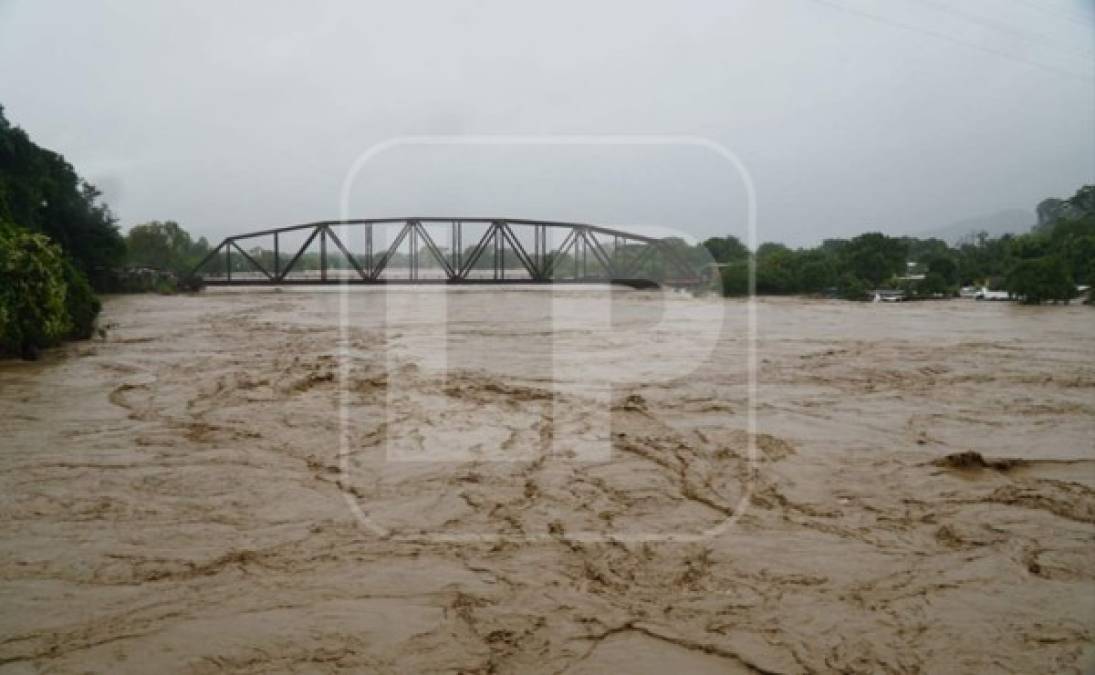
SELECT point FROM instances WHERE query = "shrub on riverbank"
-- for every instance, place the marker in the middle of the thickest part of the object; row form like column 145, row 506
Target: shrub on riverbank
column 43, row 297
column 32, row 293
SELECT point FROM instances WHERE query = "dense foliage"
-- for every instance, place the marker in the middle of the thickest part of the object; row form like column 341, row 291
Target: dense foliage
column 164, row 246
column 33, row 311
column 1045, row 264
column 1040, row 279
column 54, row 236
column 81, row 304
column 41, row 192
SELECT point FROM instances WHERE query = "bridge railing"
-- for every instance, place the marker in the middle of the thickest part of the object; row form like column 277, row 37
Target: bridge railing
column 444, row 250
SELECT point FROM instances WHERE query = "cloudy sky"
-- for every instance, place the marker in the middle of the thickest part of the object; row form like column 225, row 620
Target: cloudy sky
column 848, row 115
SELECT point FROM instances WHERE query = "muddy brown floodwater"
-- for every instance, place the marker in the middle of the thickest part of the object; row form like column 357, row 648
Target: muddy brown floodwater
column 551, row 481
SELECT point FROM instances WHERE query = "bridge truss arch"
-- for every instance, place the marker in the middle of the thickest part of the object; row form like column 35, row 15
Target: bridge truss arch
column 441, row 250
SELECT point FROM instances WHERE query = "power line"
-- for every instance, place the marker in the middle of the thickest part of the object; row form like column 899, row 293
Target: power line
column 948, row 38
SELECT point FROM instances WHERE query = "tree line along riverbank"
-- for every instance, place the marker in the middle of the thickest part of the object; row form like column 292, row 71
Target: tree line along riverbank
column 1046, row 264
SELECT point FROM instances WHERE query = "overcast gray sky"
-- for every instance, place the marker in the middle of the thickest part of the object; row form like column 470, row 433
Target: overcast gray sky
column 900, row 115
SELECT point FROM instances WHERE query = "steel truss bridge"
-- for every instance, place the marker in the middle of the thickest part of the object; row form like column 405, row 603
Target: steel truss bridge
column 505, row 251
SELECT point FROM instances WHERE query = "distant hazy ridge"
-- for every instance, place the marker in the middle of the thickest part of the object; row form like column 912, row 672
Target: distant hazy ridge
column 1009, row 221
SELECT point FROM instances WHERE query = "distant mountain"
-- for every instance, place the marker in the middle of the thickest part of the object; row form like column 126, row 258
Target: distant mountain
column 1010, row 221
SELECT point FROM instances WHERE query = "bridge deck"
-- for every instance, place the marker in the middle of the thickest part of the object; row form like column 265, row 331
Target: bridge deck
column 510, row 251
column 346, row 281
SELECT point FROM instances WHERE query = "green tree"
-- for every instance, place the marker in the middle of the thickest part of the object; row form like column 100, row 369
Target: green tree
column 934, row 283
column 164, row 246
column 817, row 273
column 32, row 292
column 776, row 269
column 726, row 249
column 874, row 257
column 1074, row 241
column 924, row 250
column 735, row 278
column 41, row 192
column 945, row 269
column 982, row 258
column 851, row 287
column 1039, row 280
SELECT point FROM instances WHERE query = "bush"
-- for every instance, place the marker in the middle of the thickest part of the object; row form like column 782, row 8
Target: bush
column 33, row 313
column 44, row 298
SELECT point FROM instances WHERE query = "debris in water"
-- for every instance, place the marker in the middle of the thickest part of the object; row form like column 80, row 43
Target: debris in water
column 971, row 459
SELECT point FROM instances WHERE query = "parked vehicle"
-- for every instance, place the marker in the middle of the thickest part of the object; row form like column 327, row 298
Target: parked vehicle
column 986, row 294
column 886, row 295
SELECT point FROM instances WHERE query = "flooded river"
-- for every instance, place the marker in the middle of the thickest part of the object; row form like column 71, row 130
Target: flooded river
column 576, row 480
